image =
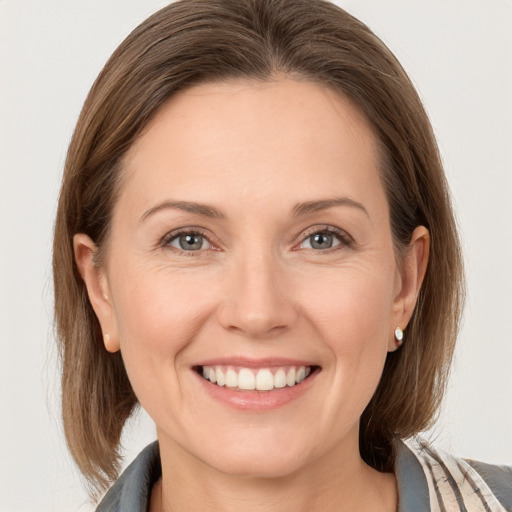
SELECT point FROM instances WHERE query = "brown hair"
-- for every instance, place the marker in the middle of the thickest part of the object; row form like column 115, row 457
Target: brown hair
column 194, row 41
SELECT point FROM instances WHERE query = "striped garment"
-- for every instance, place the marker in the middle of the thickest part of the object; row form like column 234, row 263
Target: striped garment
column 428, row 480
column 459, row 485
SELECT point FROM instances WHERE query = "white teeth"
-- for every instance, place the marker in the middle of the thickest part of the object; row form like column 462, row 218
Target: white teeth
column 219, row 375
column 231, row 379
column 290, row 377
column 264, row 380
column 261, row 380
column 246, row 379
column 280, row 379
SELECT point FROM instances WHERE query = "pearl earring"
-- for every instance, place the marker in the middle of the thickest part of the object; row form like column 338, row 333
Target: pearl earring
column 399, row 336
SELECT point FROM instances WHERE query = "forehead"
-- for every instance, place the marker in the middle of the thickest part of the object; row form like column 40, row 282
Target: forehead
column 251, row 139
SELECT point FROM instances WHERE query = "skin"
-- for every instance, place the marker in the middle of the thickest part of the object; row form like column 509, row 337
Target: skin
column 256, row 288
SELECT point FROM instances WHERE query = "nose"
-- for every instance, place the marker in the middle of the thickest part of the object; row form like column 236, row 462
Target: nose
column 258, row 299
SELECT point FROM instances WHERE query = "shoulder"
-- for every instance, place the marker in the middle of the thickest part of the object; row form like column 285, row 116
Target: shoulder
column 444, row 482
column 131, row 492
column 498, row 478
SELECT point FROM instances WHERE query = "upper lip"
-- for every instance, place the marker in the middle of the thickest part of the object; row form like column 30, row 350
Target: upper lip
column 268, row 362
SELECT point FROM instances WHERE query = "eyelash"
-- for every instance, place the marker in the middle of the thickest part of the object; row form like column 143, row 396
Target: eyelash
column 346, row 241
column 167, row 239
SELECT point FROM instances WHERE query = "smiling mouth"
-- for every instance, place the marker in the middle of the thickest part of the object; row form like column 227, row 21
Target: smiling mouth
column 253, row 379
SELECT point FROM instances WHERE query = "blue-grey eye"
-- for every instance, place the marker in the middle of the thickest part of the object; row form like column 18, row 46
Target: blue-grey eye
column 190, row 242
column 321, row 240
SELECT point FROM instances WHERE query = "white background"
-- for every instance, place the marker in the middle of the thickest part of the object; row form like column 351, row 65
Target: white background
column 458, row 53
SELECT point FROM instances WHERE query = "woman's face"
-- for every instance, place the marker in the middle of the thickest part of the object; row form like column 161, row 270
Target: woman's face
column 251, row 246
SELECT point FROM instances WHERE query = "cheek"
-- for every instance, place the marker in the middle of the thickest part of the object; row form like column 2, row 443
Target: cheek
column 352, row 307
column 353, row 318
column 160, row 310
column 157, row 317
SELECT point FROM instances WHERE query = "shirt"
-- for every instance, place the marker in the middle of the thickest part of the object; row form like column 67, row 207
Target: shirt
column 428, row 480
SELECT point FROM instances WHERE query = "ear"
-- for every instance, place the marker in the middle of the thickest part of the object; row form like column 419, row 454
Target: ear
column 96, row 283
column 409, row 281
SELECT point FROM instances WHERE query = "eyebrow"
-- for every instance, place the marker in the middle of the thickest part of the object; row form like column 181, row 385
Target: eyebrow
column 186, row 206
column 323, row 204
column 298, row 210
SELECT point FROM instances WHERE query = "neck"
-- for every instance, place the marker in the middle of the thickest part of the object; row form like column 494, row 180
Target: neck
column 335, row 482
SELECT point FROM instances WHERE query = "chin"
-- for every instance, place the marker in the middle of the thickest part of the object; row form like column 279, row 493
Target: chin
column 262, row 465
column 269, row 455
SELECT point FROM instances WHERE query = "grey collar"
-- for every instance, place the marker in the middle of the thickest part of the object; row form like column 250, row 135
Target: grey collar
column 132, row 491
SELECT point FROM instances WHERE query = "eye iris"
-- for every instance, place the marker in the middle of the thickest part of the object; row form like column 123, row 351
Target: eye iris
column 191, row 242
column 321, row 241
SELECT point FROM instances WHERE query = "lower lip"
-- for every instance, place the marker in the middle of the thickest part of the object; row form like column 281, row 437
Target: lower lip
column 257, row 400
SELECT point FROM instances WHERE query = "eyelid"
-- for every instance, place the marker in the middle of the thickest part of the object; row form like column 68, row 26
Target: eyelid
column 186, row 230
column 345, row 239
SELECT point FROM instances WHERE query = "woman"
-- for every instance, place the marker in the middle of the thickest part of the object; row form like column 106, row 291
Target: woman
column 255, row 242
